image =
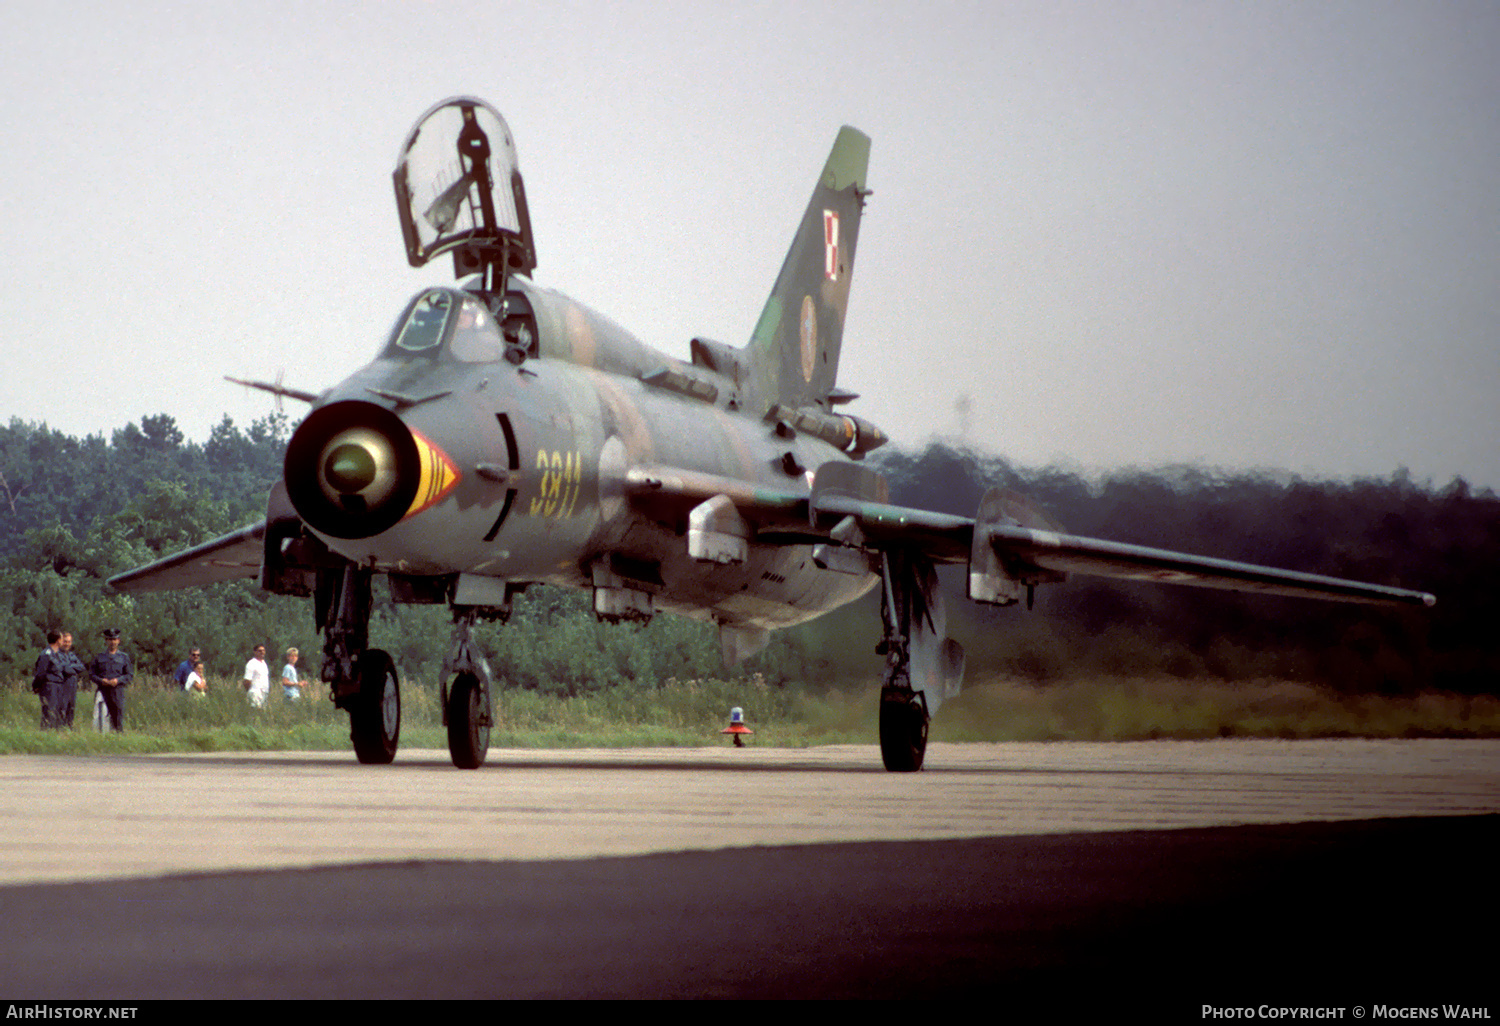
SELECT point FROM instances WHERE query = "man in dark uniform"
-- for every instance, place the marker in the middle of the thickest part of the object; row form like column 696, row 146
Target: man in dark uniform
column 41, row 678
column 56, row 680
column 110, row 672
column 73, row 672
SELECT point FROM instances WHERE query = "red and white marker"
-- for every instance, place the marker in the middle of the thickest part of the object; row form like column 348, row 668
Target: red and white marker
column 737, row 727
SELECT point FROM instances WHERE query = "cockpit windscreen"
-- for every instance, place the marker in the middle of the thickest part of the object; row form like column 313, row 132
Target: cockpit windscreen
column 438, row 315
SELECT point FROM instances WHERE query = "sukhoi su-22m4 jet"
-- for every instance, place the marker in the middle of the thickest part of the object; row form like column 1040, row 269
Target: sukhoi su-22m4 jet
column 506, row 435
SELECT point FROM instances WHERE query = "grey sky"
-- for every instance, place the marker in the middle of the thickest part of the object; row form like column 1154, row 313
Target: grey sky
column 1244, row 235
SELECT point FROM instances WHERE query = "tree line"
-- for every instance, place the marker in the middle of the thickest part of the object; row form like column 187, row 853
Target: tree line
column 1445, row 540
column 74, row 511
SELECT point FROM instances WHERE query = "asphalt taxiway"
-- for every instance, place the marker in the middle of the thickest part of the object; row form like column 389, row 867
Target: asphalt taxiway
column 754, row 872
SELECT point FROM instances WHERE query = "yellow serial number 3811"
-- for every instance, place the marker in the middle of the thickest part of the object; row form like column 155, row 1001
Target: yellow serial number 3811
column 562, row 474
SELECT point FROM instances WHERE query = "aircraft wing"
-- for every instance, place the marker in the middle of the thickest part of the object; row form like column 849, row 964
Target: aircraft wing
column 1005, row 556
column 1009, row 547
column 1066, row 553
column 226, row 558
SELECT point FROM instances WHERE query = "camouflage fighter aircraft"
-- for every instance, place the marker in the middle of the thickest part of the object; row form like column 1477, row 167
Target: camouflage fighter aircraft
column 506, row 435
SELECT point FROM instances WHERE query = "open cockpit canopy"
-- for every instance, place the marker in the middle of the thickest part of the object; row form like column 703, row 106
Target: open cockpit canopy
column 458, row 190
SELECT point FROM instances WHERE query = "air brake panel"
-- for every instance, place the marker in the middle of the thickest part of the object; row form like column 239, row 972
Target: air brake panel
column 458, row 190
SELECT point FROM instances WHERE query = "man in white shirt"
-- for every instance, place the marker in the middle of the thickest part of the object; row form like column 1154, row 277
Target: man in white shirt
column 258, row 678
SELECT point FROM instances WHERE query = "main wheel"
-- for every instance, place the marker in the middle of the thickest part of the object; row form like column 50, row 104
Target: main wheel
column 375, row 715
column 468, row 721
column 903, row 730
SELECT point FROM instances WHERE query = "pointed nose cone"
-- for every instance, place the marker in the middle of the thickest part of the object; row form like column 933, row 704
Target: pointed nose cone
column 354, row 470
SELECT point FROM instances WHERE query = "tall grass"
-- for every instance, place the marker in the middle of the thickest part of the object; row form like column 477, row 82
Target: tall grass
column 679, row 713
column 693, row 712
column 1134, row 709
column 160, row 718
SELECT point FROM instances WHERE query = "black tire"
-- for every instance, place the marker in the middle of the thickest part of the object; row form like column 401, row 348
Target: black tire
column 468, row 722
column 375, row 715
column 903, row 730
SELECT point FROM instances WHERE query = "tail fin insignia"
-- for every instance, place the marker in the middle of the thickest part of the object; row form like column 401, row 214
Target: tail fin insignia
column 831, row 245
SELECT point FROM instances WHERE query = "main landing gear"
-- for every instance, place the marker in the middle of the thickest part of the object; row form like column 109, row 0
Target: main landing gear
column 375, row 713
column 903, row 712
column 363, row 679
column 903, row 728
column 922, row 665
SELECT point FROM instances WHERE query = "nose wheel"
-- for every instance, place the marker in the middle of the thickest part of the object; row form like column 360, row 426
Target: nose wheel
column 468, row 721
column 467, row 708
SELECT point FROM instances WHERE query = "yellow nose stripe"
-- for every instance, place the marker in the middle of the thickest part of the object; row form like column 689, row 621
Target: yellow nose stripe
column 438, row 477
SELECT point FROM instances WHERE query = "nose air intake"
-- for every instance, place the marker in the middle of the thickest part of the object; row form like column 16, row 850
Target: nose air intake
column 354, row 470
column 359, row 469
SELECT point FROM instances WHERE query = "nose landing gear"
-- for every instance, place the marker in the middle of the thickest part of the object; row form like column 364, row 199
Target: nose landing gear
column 467, row 707
column 468, row 717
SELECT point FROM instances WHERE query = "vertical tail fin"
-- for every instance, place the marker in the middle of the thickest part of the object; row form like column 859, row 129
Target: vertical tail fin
column 794, row 351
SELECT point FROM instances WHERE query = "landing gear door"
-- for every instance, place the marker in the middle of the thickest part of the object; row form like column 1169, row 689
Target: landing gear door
column 458, row 190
